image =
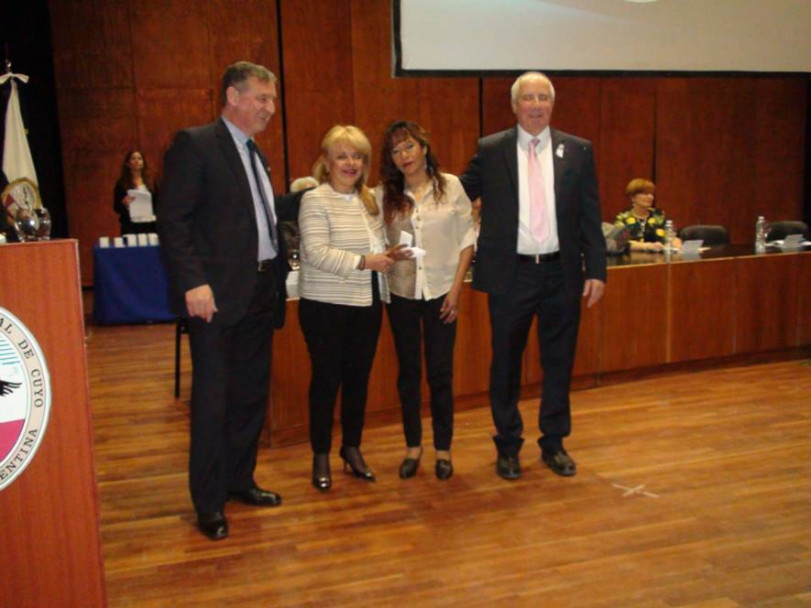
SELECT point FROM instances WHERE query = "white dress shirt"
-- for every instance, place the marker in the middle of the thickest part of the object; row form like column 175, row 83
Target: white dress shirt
column 266, row 250
column 527, row 245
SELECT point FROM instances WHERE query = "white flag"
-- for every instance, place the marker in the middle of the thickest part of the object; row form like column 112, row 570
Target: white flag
column 17, row 161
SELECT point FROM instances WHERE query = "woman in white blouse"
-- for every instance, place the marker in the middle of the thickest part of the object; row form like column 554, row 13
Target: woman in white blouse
column 433, row 208
column 343, row 256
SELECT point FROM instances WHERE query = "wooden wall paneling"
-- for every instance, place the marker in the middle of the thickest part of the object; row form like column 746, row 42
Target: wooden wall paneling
column 634, row 322
column 288, row 415
column 699, row 148
column 778, row 149
column 447, row 107
column 729, row 150
column 627, row 130
column 703, row 310
column 165, row 31
column 767, row 295
column 318, row 76
column 92, row 44
column 577, row 108
column 497, row 113
column 93, row 74
column 804, row 300
column 250, row 33
column 383, row 382
column 161, row 113
column 472, row 351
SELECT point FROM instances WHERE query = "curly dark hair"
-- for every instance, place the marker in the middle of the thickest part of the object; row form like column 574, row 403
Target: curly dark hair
column 395, row 200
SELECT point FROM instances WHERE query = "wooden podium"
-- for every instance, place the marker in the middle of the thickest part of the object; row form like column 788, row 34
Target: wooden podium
column 50, row 532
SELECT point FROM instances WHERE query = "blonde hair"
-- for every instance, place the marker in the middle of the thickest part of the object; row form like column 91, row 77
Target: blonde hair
column 355, row 138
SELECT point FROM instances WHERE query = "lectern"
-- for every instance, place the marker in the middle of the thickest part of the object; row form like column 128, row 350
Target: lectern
column 50, row 534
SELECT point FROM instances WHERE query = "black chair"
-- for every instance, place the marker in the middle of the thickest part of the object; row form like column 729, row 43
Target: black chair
column 711, row 235
column 181, row 327
column 782, row 229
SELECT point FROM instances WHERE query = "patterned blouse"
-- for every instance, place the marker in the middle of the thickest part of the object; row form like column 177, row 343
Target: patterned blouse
column 651, row 230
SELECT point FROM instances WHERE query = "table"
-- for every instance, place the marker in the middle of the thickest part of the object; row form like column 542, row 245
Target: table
column 129, row 286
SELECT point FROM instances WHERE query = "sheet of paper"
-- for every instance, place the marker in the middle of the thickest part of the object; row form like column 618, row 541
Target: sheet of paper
column 407, row 240
column 141, row 206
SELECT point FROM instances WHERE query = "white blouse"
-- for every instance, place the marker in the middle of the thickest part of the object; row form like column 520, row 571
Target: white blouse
column 443, row 229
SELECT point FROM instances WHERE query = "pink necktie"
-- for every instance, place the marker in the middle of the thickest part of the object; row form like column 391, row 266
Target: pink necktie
column 538, row 225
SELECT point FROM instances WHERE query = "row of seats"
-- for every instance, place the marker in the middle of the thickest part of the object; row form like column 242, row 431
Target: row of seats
column 718, row 235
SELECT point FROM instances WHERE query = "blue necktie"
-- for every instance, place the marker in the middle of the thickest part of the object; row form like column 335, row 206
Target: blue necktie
column 253, row 157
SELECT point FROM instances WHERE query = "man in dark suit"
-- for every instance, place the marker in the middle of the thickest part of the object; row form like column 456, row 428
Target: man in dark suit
column 540, row 226
column 217, row 220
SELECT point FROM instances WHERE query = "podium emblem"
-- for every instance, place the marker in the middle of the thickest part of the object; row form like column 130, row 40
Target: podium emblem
column 25, row 397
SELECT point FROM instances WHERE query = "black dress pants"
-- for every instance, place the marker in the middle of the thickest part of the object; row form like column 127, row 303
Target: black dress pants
column 413, row 321
column 230, row 385
column 538, row 291
column 342, row 341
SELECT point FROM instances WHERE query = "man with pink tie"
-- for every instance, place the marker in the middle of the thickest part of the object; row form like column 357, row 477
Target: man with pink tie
column 540, row 249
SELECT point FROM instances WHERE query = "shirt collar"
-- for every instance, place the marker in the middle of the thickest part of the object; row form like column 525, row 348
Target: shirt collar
column 239, row 136
column 524, row 138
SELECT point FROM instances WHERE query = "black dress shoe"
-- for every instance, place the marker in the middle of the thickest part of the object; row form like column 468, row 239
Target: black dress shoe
column 353, row 460
column 560, row 462
column 409, row 466
column 444, row 469
column 257, row 497
column 508, row 467
column 322, row 479
column 213, row 525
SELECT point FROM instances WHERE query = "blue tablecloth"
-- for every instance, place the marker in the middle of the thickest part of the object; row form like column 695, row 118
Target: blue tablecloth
column 130, row 286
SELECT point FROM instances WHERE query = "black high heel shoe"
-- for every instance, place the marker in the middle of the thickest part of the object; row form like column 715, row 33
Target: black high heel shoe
column 322, row 480
column 444, row 469
column 409, row 466
column 353, row 460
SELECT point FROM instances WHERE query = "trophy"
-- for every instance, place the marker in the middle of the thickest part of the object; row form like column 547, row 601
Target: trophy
column 24, row 210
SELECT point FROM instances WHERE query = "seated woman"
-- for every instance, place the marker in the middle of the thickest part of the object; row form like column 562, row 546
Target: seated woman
column 645, row 222
column 134, row 176
column 434, row 210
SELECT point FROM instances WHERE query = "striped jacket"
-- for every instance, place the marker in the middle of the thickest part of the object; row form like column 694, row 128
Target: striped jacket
column 335, row 231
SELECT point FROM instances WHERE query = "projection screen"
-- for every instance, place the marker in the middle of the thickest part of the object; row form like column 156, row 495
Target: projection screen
column 459, row 36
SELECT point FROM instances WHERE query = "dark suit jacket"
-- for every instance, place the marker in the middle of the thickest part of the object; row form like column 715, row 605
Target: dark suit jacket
column 493, row 176
column 207, row 222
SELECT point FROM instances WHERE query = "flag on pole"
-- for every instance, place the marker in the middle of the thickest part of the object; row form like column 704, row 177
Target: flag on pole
column 17, row 161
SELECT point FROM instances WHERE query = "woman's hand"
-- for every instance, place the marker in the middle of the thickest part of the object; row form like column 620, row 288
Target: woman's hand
column 127, row 200
column 380, row 262
column 450, row 307
column 399, row 252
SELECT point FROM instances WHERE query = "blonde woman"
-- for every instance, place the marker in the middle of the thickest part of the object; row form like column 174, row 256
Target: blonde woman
column 343, row 261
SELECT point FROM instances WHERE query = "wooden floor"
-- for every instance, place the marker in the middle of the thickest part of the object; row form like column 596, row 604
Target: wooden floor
column 693, row 490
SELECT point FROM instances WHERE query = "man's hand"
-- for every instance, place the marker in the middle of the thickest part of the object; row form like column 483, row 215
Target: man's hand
column 200, row 303
column 593, row 290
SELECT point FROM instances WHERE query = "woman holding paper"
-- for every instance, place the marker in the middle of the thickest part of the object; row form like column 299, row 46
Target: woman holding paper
column 342, row 287
column 430, row 210
column 134, row 176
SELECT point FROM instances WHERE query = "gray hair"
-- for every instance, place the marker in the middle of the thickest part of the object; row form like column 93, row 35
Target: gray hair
column 237, row 74
column 526, row 76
